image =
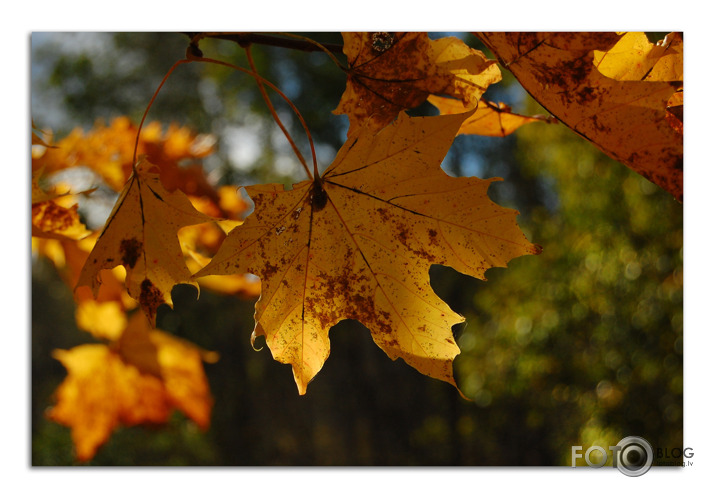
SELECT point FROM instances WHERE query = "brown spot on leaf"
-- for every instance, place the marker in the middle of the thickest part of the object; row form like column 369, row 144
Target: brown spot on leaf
column 150, row 298
column 384, row 214
column 130, row 250
column 392, row 343
column 269, row 270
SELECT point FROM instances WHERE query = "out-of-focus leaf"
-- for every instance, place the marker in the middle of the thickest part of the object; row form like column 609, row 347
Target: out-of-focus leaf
column 108, row 151
column 140, row 379
column 50, row 218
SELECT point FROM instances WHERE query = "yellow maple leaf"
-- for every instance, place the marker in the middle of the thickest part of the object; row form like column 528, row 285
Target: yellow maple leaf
column 139, row 379
column 359, row 242
column 629, row 115
column 54, row 215
column 102, row 319
column 391, row 72
column 490, row 119
column 141, row 235
column 108, row 151
column 101, row 392
column 51, row 220
column 200, row 242
column 243, row 285
column 635, row 58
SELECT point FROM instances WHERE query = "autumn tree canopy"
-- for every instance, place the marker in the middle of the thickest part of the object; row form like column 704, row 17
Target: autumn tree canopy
column 356, row 238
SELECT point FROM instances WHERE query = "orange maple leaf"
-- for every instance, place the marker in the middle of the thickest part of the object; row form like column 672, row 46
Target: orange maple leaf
column 108, row 151
column 490, row 119
column 54, row 215
column 139, row 379
column 611, row 90
column 391, row 72
column 358, row 243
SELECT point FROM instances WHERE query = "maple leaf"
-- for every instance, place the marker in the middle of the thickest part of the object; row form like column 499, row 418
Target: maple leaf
column 102, row 319
column 610, row 90
column 97, row 392
column 141, row 235
column 359, row 243
column 200, row 242
column 109, row 151
column 391, row 72
column 139, row 379
column 490, row 119
column 635, row 58
column 50, row 218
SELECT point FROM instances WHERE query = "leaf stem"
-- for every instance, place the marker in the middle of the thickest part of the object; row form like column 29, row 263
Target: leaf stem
column 261, row 82
column 272, row 109
column 146, row 111
column 284, row 97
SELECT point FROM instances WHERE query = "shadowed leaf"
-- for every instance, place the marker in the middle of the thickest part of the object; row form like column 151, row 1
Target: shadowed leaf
column 391, row 72
column 613, row 89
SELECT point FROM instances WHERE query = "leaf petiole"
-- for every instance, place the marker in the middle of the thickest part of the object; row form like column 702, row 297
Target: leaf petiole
column 262, row 89
column 288, row 101
column 146, row 111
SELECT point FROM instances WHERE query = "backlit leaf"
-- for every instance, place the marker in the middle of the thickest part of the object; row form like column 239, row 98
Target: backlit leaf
column 359, row 243
column 102, row 392
column 635, row 58
column 141, row 235
column 490, row 119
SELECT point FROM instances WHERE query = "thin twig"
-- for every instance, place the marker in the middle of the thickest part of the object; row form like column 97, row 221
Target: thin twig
column 283, row 96
column 278, row 121
column 320, row 46
column 146, row 111
column 271, row 40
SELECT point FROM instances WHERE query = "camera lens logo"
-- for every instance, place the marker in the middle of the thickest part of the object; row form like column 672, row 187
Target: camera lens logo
column 635, row 456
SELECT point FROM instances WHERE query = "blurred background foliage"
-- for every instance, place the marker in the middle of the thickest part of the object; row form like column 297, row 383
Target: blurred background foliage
column 581, row 345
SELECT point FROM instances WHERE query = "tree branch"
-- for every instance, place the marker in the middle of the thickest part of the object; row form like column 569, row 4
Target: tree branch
column 263, row 39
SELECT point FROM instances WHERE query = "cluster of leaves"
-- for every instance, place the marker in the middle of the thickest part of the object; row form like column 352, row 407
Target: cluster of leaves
column 356, row 242
column 137, row 374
